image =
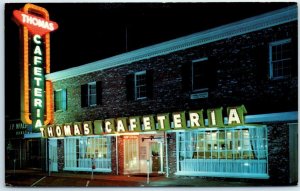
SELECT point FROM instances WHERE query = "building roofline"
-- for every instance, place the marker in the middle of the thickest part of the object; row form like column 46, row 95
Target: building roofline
column 251, row 24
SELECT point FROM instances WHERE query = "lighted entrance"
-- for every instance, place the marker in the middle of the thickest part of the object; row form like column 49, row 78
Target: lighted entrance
column 143, row 150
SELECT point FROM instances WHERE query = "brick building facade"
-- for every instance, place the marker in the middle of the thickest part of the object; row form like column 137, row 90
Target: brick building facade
column 231, row 65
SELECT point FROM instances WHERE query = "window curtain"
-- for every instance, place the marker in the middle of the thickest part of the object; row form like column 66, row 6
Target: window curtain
column 182, row 146
column 70, row 152
column 189, row 145
column 82, row 147
column 257, row 140
column 194, row 143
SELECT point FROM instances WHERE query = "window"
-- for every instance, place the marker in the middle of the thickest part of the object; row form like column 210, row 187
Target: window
column 80, row 151
column 60, row 97
column 280, row 57
column 230, row 151
column 131, row 154
column 200, row 72
column 91, row 94
column 139, row 85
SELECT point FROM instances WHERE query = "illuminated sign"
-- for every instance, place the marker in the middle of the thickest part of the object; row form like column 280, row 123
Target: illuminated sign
column 160, row 122
column 16, row 129
column 36, row 93
column 35, row 25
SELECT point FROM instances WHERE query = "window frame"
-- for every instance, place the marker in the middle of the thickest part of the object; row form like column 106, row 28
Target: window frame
column 136, row 74
column 194, row 62
column 271, row 69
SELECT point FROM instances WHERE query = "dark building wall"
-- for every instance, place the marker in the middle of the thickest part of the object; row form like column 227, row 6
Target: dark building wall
column 278, row 150
column 60, row 154
column 113, row 156
column 121, row 154
column 239, row 75
column 172, row 161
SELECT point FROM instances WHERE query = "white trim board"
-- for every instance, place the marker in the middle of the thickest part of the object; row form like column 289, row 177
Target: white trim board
column 251, row 24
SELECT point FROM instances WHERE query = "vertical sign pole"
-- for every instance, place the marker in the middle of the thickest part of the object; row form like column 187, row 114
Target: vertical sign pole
column 93, row 167
column 14, row 166
column 148, row 171
column 50, row 167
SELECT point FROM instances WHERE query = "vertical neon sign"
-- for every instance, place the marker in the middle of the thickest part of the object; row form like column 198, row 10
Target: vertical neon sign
column 36, row 93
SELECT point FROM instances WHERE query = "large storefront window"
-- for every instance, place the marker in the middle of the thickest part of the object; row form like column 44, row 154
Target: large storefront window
column 81, row 151
column 229, row 152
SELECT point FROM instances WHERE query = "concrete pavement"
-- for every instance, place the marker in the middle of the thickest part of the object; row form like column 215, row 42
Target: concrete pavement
column 25, row 178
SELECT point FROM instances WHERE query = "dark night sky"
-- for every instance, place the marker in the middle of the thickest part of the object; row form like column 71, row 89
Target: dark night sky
column 94, row 31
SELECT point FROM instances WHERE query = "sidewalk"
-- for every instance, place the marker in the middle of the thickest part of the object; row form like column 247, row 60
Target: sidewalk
column 27, row 178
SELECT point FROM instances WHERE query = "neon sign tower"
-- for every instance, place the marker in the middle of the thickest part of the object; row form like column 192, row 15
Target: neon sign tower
column 36, row 92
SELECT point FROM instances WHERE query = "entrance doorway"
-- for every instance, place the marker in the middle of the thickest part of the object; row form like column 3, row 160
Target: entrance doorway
column 33, row 153
column 53, row 155
column 156, row 156
column 141, row 151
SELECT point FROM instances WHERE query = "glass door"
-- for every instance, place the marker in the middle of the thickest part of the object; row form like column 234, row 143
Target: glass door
column 156, row 156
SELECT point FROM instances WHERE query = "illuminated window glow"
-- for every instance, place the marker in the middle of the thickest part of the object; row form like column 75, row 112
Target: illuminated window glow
column 80, row 151
column 131, row 157
column 230, row 151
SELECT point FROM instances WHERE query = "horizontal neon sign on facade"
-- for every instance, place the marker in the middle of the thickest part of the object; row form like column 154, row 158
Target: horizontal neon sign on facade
column 147, row 123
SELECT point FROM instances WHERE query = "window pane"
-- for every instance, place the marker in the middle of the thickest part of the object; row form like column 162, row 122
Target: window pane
column 140, row 85
column 60, row 100
column 92, row 95
column 281, row 57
